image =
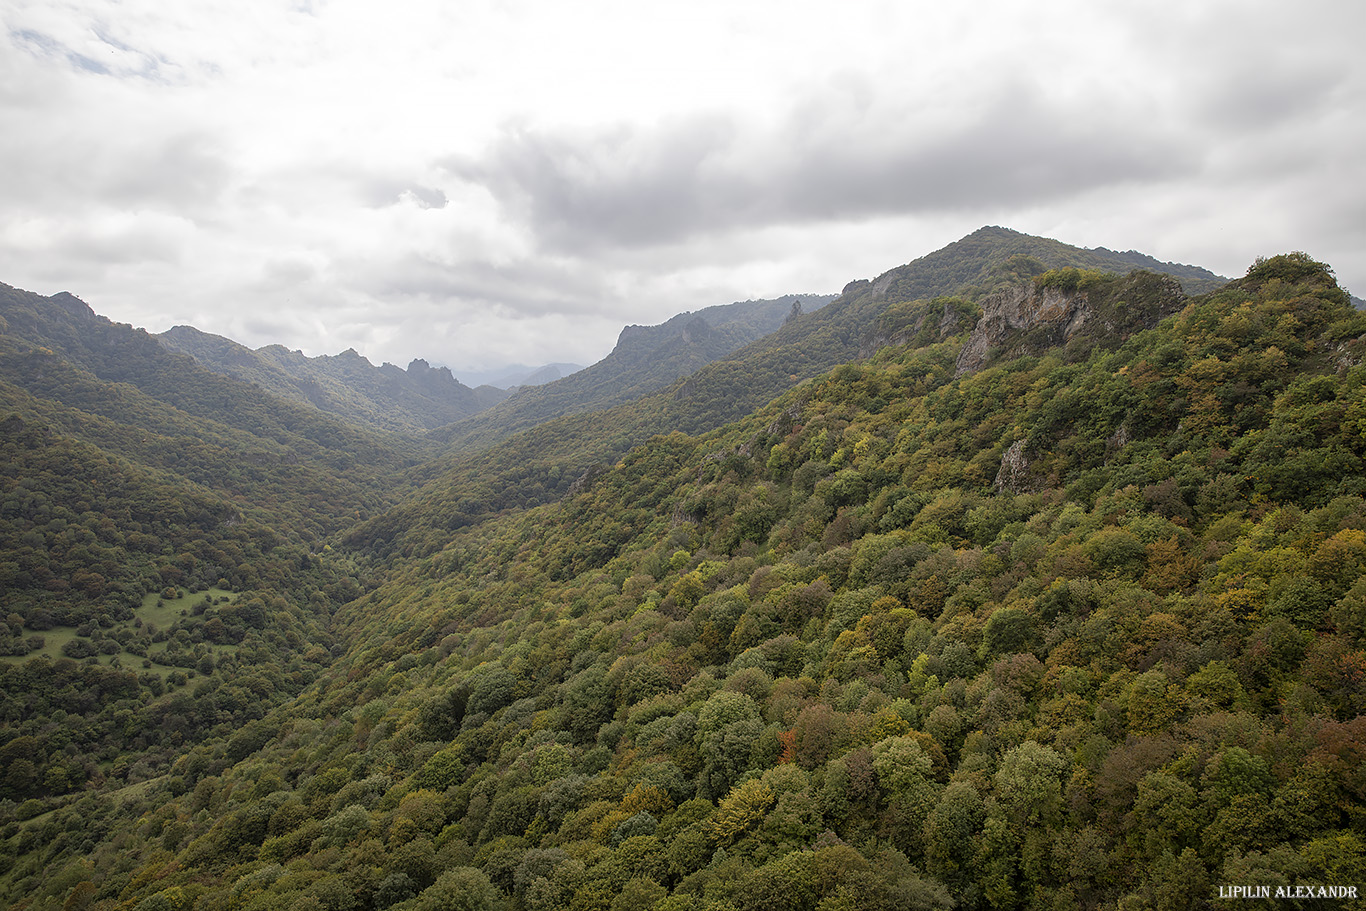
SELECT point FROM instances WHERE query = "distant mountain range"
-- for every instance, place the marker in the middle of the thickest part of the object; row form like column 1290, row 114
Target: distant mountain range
column 424, row 398
column 645, row 360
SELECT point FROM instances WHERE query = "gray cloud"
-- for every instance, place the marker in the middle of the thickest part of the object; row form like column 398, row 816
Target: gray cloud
column 520, row 288
column 182, row 171
column 132, row 245
column 1258, row 95
column 106, row 162
column 832, row 157
column 426, row 197
column 287, row 272
column 378, row 192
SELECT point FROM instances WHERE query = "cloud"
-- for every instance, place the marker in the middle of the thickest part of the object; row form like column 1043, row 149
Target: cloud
column 517, row 289
column 827, row 160
column 450, row 181
column 73, row 147
column 380, row 192
column 100, row 53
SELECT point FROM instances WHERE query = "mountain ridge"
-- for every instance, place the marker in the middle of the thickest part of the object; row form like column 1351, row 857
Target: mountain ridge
column 645, row 359
column 411, row 400
column 489, row 470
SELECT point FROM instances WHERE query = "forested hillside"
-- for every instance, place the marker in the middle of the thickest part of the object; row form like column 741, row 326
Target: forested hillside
column 1044, row 589
column 165, row 574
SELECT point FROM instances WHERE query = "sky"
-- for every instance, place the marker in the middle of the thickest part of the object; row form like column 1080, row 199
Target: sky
column 484, row 183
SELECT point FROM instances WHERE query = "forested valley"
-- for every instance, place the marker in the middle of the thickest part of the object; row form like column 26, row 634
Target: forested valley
column 1012, row 578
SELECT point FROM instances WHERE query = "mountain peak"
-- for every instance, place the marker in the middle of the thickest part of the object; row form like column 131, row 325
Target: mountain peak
column 72, row 304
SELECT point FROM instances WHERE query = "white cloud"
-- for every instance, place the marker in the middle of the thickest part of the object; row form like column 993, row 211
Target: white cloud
column 478, row 181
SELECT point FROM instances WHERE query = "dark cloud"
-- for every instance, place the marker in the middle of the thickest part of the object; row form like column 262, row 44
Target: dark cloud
column 427, row 197
column 124, row 247
column 373, row 191
column 1251, row 95
column 829, row 159
column 287, row 272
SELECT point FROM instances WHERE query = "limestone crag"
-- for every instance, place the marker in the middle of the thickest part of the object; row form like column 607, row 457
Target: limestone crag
column 1014, row 475
column 1023, row 308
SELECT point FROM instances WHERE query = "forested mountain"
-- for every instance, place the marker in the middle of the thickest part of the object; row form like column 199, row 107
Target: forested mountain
column 419, row 398
column 645, row 360
column 1050, row 593
column 539, row 465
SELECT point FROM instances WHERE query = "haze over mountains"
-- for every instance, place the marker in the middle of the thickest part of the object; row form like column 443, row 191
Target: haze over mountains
column 1009, row 578
column 520, row 375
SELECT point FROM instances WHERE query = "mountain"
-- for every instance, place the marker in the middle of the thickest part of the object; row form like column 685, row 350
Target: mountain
column 98, row 406
column 1193, row 279
column 419, row 398
column 1052, row 594
column 489, row 471
column 645, row 360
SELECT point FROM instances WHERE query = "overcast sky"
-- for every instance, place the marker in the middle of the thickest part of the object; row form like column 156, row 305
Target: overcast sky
column 479, row 183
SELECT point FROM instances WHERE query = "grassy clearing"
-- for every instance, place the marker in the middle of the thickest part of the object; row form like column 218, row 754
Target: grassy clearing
column 155, row 613
column 164, row 612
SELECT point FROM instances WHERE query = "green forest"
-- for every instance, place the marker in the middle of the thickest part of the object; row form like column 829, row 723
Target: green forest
column 902, row 606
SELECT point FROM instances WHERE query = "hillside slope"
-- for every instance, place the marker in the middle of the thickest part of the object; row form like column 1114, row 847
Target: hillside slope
column 165, row 575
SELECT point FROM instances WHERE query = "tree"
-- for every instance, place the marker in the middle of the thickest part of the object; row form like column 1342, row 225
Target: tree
column 728, row 727
column 638, row 894
column 461, row 889
column 905, row 773
column 741, row 810
column 1029, row 782
column 789, row 882
column 1008, row 630
column 951, row 831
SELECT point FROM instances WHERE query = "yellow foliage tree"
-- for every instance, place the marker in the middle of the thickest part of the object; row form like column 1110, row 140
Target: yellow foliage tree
column 742, row 809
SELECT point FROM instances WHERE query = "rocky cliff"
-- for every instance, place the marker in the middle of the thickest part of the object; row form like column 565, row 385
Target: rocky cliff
column 1072, row 311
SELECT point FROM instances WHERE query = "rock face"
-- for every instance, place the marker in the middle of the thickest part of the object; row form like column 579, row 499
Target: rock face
column 1028, row 318
column 1023, row 308
column 1014, row 475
